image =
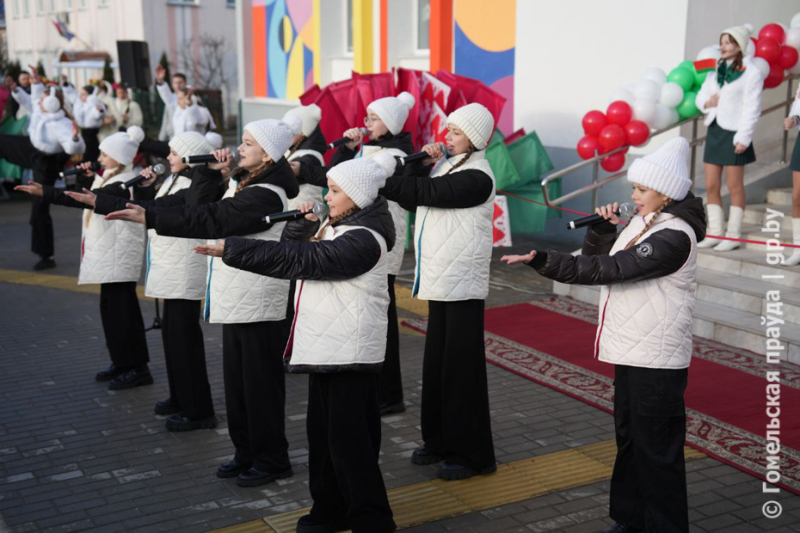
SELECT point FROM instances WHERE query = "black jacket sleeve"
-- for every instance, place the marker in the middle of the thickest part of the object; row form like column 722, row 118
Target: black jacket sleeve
column 299, row 230
column 143, row 194
column 313, row 174
column 661, row 254
column 467, row 188
column 240, row 215
column 346, row 257
column 106, row 204
column 111, row 191
column 343, row 154
column 206, row 186
column 599, row 239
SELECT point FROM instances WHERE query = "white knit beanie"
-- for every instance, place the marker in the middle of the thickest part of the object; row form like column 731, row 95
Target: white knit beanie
column 51, row 103
column 393, row 110
column 476, row 122
column 215, row 139
column 122, row 146
column 665, row 170
column 362, row 178
column 294, row 122
column 310, row 115
column 191, row 143
column 274, row 136
column 740, row 34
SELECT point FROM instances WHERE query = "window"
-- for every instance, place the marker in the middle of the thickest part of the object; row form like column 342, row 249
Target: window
column 52, row 6
column 39, row 6
column 102, row 3
column 83, row 4
column 16, row 8
column 231, row 3
column 26, row 8
column 184, row 2
column 423, row 24
column 68, row 5
column 349, row 47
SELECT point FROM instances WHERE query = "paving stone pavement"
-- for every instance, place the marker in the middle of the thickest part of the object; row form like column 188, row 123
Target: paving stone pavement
column 75, row 456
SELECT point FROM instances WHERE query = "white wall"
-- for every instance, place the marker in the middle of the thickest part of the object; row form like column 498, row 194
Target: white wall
column 402, row 39
column 335, row 62
column 571, row 56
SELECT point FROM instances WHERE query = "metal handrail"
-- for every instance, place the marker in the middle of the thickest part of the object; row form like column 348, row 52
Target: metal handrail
column 694, row 143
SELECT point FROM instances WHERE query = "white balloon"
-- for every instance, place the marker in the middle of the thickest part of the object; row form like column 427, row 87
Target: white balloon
column 644, row 110
column 750, row 51
column 671, row 94
column 793, row 37
column 795, row 21
column 710, row 52
column 762, row 65
column 647, row 90
column 622, row 94
column 785, row 29
column 655, row 74
column 663, row 117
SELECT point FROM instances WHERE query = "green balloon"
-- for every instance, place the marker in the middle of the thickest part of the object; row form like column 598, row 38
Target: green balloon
column 683, row 77
column 687, row 108
column 700, row 78
column 688, row 65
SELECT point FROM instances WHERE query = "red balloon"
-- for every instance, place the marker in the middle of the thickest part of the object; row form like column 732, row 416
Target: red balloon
column 637, row 132
column 768, row 49
column 612, row 137
column 613, row 162
column 774, row 78
column 587, row 147
column 594, row 122
column 788, row 57
column 773, row 31
column 619, row 113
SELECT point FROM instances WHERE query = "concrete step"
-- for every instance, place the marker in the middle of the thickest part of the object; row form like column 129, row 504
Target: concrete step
column 782, row 196
column 749, row 264
column 721, row 323
column 745, row 294
column 756, row 214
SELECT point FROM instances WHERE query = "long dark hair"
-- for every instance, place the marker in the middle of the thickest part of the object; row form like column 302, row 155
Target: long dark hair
column 739, row 59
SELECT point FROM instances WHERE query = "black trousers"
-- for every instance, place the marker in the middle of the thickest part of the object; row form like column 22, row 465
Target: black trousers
column 344, row 440
column 123, row 325
column 390, row 385
column 18, row 150
column 92, row 143
column 455, row 392
column 648, row 486
column 255, row 393
column 185, row 357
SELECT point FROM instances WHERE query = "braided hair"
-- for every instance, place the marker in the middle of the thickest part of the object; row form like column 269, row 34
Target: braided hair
column 471, row 150
column 335, row 220
column 253, row 175
column 296, row 145
column 649, row 225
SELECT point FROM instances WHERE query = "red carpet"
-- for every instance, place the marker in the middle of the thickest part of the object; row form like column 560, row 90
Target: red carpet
column 550, row 342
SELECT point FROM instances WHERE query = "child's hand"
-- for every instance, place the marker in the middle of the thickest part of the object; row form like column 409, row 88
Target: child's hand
column 739, row 148
column 149, row 176
column 789, row 123
column 295, row 167
column 87, row 169
column 307, row 208
column 435, row 153
column 356, row 137
column 86, row 197
column 31, row 188
column 511, row 259
column 608, row 212
column 211, row 250
column 713, row 101
column 133, row 213
column 224, row 157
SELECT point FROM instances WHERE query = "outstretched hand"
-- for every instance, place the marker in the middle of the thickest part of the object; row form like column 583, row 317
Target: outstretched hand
column 31, row 188
column 211, row 250
column 512, row 259
column 133, row 213
column 86, row 197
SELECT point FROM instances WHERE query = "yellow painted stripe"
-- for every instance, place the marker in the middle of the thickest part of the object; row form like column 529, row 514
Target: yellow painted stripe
column 405, row 301
column 513, row 482
column 362, row 36
column 65, row 283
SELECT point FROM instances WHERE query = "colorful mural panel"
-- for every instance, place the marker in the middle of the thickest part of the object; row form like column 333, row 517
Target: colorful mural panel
column 485, row 41
column 284, row 47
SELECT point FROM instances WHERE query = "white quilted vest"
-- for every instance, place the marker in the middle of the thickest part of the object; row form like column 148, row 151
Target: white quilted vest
column 174, row 270
column 649, row 323
column 234, row 296
column 308, row 193
column 343, row 322
column 454, row 246
column 397, row 212
column 111, row 250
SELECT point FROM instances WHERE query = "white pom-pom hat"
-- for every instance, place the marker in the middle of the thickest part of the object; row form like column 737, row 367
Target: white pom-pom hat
column 274, row 136
column 51, row 103
column 122, row 146
column 362, row 178
column 740, row 34
column 476, row 122
column 310, row 115
column 393, row 110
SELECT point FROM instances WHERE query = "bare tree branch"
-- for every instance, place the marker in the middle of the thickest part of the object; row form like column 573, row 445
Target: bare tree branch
column 208, row 72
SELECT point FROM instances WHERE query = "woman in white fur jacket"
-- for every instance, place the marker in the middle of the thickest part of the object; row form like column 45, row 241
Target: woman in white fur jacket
column 793, row 121
column 731, row 100
column 111, row 255
column 52, row 137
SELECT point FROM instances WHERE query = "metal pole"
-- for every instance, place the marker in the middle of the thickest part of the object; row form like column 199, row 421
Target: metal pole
column 785, row 131
column 595, row 175
column 694, row 152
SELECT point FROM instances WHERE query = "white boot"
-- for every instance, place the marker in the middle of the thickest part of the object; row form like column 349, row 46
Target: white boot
column 734, row 230
column 794, row 259
column 716, row 217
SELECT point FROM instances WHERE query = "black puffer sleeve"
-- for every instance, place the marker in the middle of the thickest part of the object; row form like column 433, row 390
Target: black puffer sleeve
column 459, row 190
column 599, row 239
column 112, row 192
column 661, row 254
column 346, row 257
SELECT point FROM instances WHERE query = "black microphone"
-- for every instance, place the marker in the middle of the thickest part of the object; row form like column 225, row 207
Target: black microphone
column 419, row 155
column 159, row 169
column 206, row 158
column 336, row 144
column 319, row 209
column 75, row 171
column 625, row 212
